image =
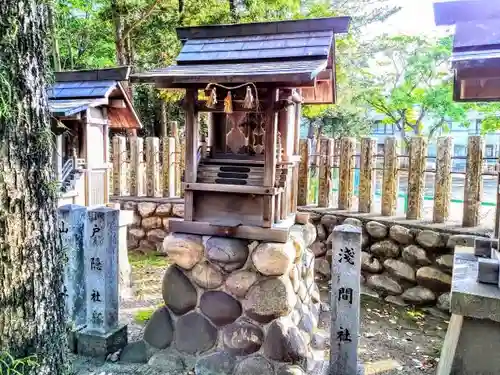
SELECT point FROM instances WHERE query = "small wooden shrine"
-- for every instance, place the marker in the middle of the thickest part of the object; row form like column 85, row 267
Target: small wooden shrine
column 241, row 178
column 476, row 47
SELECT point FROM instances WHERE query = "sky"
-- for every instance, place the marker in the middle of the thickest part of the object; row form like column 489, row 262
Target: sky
column 415, row 18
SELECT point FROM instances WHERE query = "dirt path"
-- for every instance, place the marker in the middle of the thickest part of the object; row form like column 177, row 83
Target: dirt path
column 394, row 340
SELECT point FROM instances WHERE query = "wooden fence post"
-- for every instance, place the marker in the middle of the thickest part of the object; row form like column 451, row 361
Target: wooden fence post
column 152, row 167
column 473, row 181
column 136, row 166
column 366, row 175
column 182, row 166
column 169, row 167
column 442, row 184
column 416, row 178
column 119, row 171
column 325, row 172
column 390, row 178
column 346, row 172
column 303, row 189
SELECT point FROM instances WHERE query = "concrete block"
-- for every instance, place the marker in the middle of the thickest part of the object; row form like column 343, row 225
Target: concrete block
column 487, row 271
column 96, row 344
column 482, row 247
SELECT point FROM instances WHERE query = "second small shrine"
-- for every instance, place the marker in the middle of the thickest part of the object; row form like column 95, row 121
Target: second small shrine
column 241, row 177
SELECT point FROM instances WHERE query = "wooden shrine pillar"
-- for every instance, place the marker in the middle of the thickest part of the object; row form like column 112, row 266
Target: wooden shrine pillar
column 191, row 137
column 270, row 157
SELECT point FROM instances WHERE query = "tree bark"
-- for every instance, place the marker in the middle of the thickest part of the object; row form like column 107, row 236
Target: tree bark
column 31, row 261
column 121, row 54
column 232, row 10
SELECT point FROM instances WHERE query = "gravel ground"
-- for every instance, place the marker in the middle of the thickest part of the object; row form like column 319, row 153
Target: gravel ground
column 394, row 340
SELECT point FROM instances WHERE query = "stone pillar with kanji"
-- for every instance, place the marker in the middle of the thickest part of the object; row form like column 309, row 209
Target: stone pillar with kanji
column 345, row 300
column 103, row 333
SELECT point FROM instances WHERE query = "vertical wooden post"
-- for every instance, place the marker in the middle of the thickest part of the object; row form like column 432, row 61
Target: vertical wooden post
column 442, row 184
column 325, row 172
column 136, row 166
column 416, row 178
column 152, row 167
column 346, row 172
column 473, row 181
column 169, row 167
column 366, row 167
column 181, row 165
column 191, row 131
column 270, row 142
column 119, row 172
column 390, row 178
column 303, row 188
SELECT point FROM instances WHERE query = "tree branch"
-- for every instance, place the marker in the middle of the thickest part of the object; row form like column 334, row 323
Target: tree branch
column 141, row 19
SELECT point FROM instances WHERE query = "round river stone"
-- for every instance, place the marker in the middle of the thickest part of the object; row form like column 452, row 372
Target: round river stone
column 239, row 282
column 184, row 250
column 218, row 363
column 257, row 365
column 178, row 292
column 284, row 343
column 220, row 307
column 230, row 253
column 194, row 334
column 242, row 338
column 207, row 276
column 274, row 259
column 159, row 332
column 269, row 299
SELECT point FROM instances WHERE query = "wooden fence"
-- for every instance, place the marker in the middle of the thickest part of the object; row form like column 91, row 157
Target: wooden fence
column 347, row 155
column 153, row 167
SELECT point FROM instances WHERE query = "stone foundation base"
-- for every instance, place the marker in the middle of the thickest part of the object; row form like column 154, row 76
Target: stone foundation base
column 95, row 344
column 240, row 307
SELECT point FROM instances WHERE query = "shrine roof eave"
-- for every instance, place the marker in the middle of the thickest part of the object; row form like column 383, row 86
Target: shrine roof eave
column 275, row 73
column 477, row 64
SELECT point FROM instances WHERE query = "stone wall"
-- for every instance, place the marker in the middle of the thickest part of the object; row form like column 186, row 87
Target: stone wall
column 240, row 307
column 151, row 220
column 404, row 264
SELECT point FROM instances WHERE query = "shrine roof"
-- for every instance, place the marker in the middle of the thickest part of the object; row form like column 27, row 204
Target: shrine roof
column 285, row 51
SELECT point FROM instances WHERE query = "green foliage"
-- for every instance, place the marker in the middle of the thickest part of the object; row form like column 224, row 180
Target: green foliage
column 143, row 316
column 337, row 121
column 11, row 366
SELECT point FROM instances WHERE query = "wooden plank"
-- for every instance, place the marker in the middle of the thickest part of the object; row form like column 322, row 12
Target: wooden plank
column 119, row 171
column 242, row 231
column 268, row 211
column 450, row 345
column 136, row 166
column 390, row 178
column 325, row 173
column 182, row 165
column 277, row 208
column 416, row 178
column 303, row 173
column 442, row 184
column 366, row 175
column 153, row 188
column 270, row 141
column 346, row 172
column 188, row 205
column 473, row 181
column 259, row 190
column 191, row 136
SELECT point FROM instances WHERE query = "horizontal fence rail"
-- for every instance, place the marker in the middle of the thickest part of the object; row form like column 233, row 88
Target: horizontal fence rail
column 390, row 179
column 401, row 179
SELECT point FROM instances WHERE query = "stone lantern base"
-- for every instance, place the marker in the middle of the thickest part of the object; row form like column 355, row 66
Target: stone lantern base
column 240, row 307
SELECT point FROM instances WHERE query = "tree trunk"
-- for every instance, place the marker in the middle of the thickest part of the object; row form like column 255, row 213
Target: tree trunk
column 121, row 54
column 31, row 261
column 232, row 10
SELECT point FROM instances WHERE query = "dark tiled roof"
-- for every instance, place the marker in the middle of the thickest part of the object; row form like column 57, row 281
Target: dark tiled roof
column 479, row 34
column 314, row 44
column 458, row 11
column 260, row 71
column 80, row 89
